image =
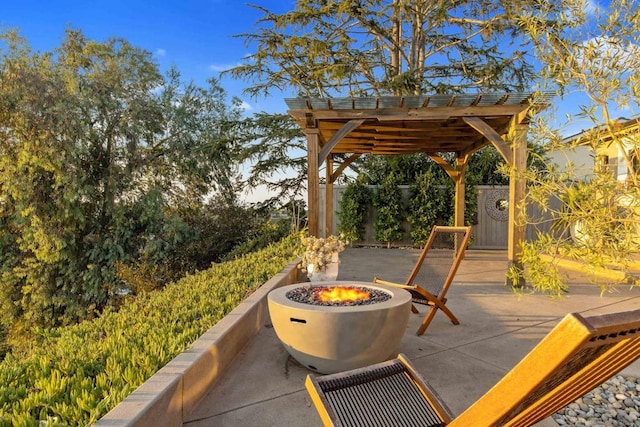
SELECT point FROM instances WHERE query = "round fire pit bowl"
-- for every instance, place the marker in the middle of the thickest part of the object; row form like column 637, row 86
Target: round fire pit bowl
column 335, row 338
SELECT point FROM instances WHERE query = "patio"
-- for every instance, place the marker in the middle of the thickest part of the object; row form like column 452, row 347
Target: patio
column 264, row 386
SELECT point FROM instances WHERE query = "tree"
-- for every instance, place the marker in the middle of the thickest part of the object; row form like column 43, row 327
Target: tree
column 97, row 149
column 598, row 56
column 273, row 144
column 376, row 47
column 400, row 47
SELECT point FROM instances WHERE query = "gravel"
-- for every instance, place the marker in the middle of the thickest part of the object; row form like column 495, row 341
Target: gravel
column 309, row 295
column 614, row 403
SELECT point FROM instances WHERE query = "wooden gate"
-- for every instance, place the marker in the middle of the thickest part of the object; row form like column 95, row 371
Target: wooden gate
column 492, row 229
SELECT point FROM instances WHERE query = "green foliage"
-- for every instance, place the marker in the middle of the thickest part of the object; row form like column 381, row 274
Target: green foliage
column 484, row 167
column 354, row 211
column 74, row 375
column 273, row 144
column 596, row 220
column 390, row 211
column 216, row 229
column 262, row 236
column 373, row 48
column 406, row 168
column 202, row 236
column 545, row 277
column 432, row 188
column 96, row 147
column 430, row 204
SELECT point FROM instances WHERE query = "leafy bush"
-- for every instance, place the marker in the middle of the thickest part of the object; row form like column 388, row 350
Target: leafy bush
column 390, row 211
column 429, row 205
column 209, row 234
column 262, row 236
column 354, row 210
column 74, row 375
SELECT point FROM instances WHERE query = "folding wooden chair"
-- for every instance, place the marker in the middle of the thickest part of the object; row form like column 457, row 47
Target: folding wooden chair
column 447, row 245
column 579, row 354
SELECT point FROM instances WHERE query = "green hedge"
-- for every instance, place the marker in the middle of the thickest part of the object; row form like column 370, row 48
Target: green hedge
column 75, row 375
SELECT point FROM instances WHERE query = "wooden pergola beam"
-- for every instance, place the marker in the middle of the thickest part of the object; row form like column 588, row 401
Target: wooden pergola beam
column 515, row 155
column 456, row 173
column 328, row 195
column 337, row 137
column 431, row 113
column 313, row 180
column 517, row 191
column 488, row 132
column 345, row 163
column 444, row 165
column 460, row 167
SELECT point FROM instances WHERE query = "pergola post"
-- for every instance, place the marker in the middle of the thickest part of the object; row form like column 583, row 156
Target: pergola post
column 460, row 167
column 313, row 181
column 456, row 173
column 517, row 188
column 328, row 198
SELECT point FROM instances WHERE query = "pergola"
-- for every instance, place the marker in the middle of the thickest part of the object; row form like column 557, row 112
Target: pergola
column 460, row 124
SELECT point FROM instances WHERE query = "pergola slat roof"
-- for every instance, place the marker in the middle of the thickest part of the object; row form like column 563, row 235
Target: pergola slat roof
column 411, row 124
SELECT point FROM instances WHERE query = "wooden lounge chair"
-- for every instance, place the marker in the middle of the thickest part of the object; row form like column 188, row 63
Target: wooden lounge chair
column 575, row 357
column 441, row 267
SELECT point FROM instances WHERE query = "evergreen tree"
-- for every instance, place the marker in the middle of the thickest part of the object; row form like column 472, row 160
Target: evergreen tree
column 430, row 202
column 374, row 47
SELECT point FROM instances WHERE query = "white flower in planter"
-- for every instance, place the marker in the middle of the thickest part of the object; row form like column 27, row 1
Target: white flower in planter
column 320, row 252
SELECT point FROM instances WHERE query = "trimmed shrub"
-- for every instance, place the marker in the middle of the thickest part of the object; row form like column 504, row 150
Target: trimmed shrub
column 390, row 211
column 354, row 211
column 431, row 203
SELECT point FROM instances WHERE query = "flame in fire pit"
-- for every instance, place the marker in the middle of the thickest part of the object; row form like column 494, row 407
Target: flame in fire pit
column 342, row 294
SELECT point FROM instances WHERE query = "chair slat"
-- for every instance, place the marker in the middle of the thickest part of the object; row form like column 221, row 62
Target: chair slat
column 437, row 271
column 575, row 357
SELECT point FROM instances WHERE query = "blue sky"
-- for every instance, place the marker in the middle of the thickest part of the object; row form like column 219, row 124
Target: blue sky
column 195, row 36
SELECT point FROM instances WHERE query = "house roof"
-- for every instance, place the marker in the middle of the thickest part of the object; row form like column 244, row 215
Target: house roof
column 428, row 124
column 622, row 127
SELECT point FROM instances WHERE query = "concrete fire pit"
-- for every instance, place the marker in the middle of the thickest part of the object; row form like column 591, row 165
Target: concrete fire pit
column 329, row 339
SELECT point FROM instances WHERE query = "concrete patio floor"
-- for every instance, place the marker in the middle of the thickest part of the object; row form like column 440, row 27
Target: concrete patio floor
column 265, row 387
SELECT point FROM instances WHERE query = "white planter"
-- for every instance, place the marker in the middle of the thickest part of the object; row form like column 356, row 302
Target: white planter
column 329, row 273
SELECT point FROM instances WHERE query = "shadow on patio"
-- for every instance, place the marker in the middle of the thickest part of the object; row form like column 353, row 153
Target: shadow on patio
column 265, row 387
